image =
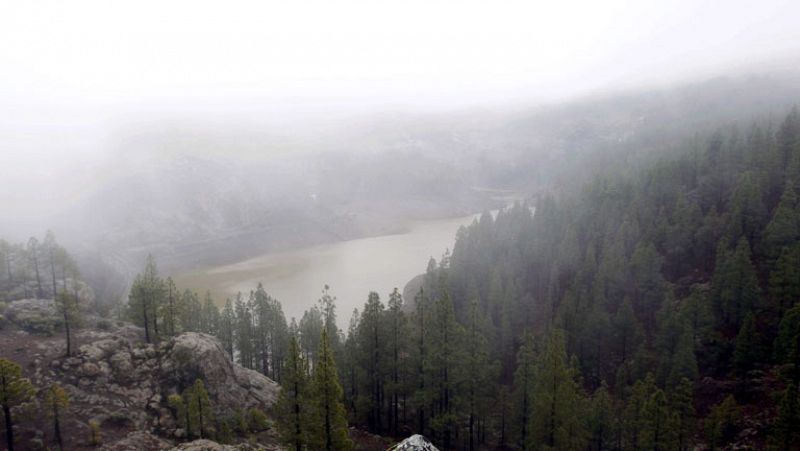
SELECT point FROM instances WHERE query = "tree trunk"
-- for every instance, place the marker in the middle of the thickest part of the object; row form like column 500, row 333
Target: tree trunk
column 298, row 445
column 200, row 417
column 53, row 273
column 39, row 292
column 146, row 321
column 57, row 427
column 9, row 428
column 66, row 326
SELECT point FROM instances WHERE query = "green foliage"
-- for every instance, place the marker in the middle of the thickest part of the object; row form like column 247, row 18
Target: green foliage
column 786, row 431
column 15, row 390
column 67, row 307
column 257, row 420
column 722, row 423
column 292, row 408
column 747, row 352
column 602, row 421
column 146, row 299
column 557, row 400
column 328, row 425
column 735, row 284
column 683, row 419
column 787, row 344
column 56, row 403
column 95, row 435
column 199, row 414
column 523, row 390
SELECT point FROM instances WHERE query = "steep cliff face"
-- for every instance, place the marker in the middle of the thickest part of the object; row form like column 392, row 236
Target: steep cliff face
column 123, row 384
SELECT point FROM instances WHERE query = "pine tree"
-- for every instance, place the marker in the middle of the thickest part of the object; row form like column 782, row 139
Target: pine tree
column 684, row 415
column 446, row 365
column 67, row 307
column 14, row 391
column 398, row 348
column 243, row 335
column 656, row 417
column 787, row 344
column 351, row 380
column 227, row 324
column 327, row 305
column 480, row 373
column 199, row 413
column 422, row 393
column 721, row 422
column 784, row 228
column 633, row 417
column 734, row 284
column 786, row 433
column 557, row 401
column 523, row 389
column 328, row 426
column 784, row 280
column 747, row 351
column 200, row 410
column 33, row 253
column 146, row 298
column 684, row 362
column 56, row 402
column 170, row 308
column 372, row 356
column 627, row 331
column 210, row 316
column 293, row 400
column 601, row 420
column 311, row 325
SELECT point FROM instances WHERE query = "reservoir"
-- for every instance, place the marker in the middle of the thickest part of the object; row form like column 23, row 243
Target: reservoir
column 351, row 268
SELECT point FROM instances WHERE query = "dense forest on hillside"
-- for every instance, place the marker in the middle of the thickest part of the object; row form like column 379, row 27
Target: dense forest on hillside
column 654, row 310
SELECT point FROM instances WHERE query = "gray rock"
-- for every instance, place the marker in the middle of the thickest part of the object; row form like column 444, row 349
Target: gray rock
column 208, row 445
column 192, row 356
column 414, row 443
column 34, row 315
column 89, row 369
column 137, row 441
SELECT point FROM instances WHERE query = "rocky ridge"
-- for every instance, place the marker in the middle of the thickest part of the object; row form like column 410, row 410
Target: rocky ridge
column 122, row 383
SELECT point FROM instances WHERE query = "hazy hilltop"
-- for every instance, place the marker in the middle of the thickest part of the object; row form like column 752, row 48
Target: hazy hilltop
column 200, row 192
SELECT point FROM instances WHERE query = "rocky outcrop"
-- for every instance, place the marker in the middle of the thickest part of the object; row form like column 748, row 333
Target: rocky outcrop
column 116, row 380
column 137, row 441
column 191, row 355
column 37, row 316
column 207, row 445
column 414, row 443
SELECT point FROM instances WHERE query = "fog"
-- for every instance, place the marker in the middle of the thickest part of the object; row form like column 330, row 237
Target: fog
column 76, row 77
column 209, row 135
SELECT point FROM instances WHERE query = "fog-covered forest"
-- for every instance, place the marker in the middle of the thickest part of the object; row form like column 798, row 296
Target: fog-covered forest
column 444, row 226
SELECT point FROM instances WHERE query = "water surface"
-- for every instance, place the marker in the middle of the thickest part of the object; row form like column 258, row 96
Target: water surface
column 351, row 268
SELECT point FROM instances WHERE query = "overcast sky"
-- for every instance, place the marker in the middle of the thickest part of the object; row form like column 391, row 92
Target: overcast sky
column 70, row 72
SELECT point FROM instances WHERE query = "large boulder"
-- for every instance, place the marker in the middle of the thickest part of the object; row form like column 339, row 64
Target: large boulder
column 34, row 315
column 192, row 356
column 137, row 441
column 414, row 443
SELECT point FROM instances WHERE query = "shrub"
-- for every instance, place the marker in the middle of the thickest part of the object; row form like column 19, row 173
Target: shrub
column 258, row 420
column 95, row 436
